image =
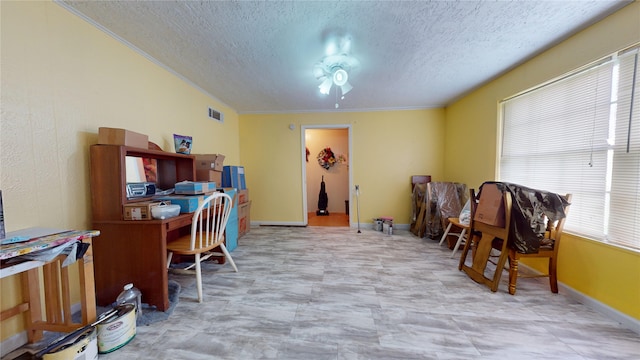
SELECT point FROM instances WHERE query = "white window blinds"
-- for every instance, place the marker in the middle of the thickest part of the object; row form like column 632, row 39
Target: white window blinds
column 624, row 221
column 568, row 136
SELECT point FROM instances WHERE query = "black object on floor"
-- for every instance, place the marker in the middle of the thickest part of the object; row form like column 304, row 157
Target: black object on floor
column 323, row 200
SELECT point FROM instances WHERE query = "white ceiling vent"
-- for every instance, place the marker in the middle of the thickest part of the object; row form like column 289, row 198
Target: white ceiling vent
column 216, row 115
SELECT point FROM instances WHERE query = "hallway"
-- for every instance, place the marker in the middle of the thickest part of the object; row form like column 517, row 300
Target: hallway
column 333, row 219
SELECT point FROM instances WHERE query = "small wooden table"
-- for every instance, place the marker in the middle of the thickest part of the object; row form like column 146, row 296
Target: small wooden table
column 55, row 278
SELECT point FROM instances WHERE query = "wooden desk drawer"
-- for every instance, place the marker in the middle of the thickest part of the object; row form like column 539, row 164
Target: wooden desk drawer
column 178, row 222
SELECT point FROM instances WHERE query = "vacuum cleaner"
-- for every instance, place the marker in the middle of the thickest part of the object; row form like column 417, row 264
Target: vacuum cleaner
column 323, row 200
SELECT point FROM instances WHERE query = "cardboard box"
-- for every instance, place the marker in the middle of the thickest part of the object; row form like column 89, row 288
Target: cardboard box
column 114, row 136
column 243, row 196
column 140, row 210
column 233, row 176
column 244, row 222
column 194, row 187
column 188, row 203
column 209, row 162
column 219, row 162
column 209, row 175
column 490, row 209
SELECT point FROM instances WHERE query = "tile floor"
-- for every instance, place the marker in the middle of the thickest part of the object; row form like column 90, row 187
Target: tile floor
column 331, row 293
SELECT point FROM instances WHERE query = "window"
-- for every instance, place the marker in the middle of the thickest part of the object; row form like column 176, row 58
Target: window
column 580, row 134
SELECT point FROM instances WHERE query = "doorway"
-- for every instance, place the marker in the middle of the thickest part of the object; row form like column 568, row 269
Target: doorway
column 332, row 143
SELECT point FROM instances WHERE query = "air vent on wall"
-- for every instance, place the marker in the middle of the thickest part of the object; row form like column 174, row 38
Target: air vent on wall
column 216, row 115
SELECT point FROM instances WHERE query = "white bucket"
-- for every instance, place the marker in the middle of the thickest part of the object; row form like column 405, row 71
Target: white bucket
column 84, row 347
column 117, row 332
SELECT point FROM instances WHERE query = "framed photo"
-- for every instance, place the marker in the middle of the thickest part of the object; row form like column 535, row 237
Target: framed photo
column 182, row 143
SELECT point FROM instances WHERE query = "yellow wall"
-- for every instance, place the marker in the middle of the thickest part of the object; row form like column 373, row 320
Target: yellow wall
column 607, row 274
column 387, row 148
column 61, row 80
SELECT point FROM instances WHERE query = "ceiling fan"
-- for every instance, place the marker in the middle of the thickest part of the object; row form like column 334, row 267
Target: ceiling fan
column 334, row 68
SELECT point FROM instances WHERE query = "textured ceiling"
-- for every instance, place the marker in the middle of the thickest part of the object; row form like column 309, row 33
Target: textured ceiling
column 258, row 57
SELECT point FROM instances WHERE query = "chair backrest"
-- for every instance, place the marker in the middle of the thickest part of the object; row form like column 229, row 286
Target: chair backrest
column 210, row 220
column 484, row 237
column 497, row 231
column 555, row 228
column 473, row 202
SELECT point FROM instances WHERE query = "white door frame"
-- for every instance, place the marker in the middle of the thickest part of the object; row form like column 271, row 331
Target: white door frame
column 303, row 141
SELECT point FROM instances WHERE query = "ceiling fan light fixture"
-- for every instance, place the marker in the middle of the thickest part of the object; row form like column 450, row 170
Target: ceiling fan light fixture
column 325, row 87
column 346, row 88
column 340, row 77
column 318, row 72
column 334, row 68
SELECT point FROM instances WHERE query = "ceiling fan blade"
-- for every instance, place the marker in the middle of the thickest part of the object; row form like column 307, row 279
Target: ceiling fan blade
column 346, row 88
column 325, row 87
column 318, row 72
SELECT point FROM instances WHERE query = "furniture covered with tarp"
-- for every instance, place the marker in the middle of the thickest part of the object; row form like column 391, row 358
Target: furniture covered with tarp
column 433, row 204
column 531, row 225
column 531, row 210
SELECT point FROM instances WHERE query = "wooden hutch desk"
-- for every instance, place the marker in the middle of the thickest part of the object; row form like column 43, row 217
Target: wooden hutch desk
column 133, row 251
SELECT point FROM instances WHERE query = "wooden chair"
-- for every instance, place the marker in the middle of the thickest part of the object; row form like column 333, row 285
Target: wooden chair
column 548, row 249
column 482, row 238
column 462, row 234
column 207, row 233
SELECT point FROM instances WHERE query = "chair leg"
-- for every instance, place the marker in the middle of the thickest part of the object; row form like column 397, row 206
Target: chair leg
column 499, row 268
column 169, row 256
column 465, row 251
column 228, row 256
column 513, row 274
column 553, row 274
column 198, row 277
column 446, row 232
column 459, row 242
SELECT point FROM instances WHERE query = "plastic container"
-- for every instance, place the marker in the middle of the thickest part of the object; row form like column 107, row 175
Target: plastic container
column 165, row 211
column 131, row 295
column 377, row 224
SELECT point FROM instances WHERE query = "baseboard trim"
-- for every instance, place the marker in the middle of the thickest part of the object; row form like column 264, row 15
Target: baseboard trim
column 13, row 343
column 615, row 315
column 276, row 223
column 604, row 309
column 367, row 225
